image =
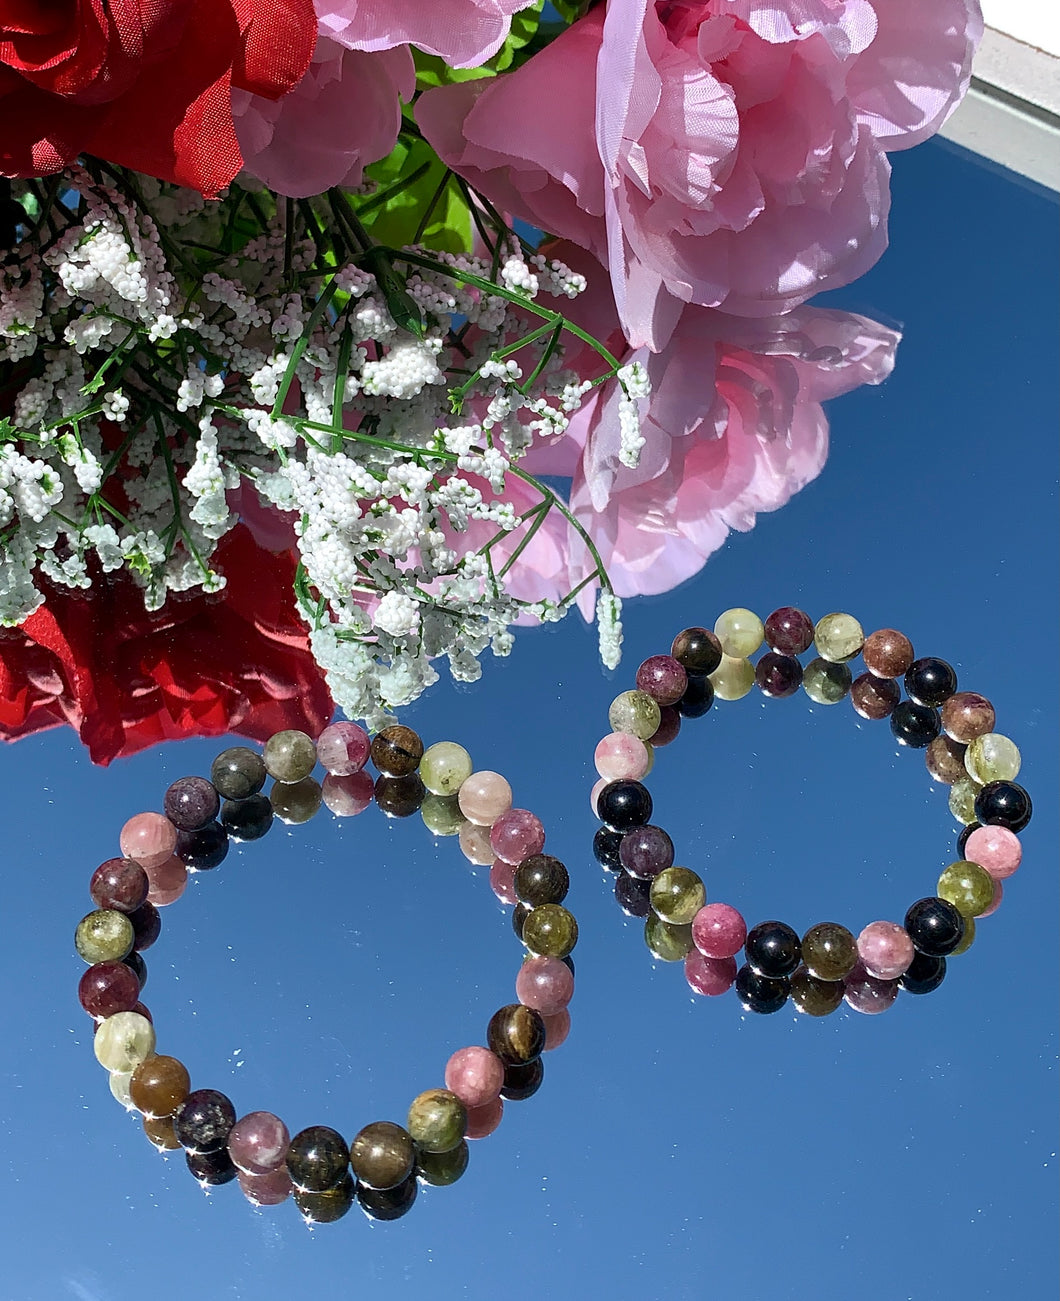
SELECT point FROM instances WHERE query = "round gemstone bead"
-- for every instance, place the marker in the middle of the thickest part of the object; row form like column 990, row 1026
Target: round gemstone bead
column 104, row 936
column 594, row 795
column 718, row 931
column 789, row 631
column 665, row 941
column 269, row 1189
column 522, row 1082
column 541, row 879
column 118, row 1083
column 545, row 984
column 397, row 751
column 123, row 1040
column 437, row 1120
column 646, row 851
column 441, row 814
column 709, row 976
column 159, row 1085
column 258, row 1143
column 945, row 760
column 885, row 950
column 387, row 1204
column 137, row 966
column 663, row 678
column 935, row 926
column 962, row 838
column 923, row 975
column 147, row 926
column 622, row 755
column 824, row 682
column 440, row 1169
column 516, row 835
column 191, row 802
column 996, row 849
column 400, row 797
column 634, row 712
column 107, row 988
column 212, row 1169
column 633, row 895
column 607, row 848
column 202, row 850
column 962, row 799
column 624, row 805
column 516, row 1034
column 296, row 802
column 969, row 887
column 868, row 994
column 887, row 653
column 550, row 931
column 992, row 757
column 829, row 951
column 930, row 681
column 557, row 1028
column 167, row 882
column 838, row 637
column 502, row 881
column 778, row 675
column 995, row 903
column 290, row 755
column 119, row 884
column 814, row 997
column 248, row 819
column 772, row 949
column 874, row 698
column 914, row 725
column 204, row 1120
column 382, row 1154
column 966, row 940
column 475, row 1075
column 343, row 749
column 482, row 1121
column 317, row 1159
column 697, row 700
column 445, row 767
column 677, row 894
column 484, row 796
column 696, row 650
column 763, row 995
column 739, row 631
column 348, row 796
column 148, row 839
column 475, row 844
column 238, row 773
column 966, row 715
column 329, row 1205
column 733, row 678
column 1003, row 804
column 159, row 1130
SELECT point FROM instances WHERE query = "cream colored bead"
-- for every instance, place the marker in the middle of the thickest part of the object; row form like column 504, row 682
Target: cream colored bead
column 839, row 637
column 740, row 632
column 962, row 799
column 123, row 1041
column 992, row 758
column 445, row 767
column 634, row 712
column 733, row 678
column 119, row 1087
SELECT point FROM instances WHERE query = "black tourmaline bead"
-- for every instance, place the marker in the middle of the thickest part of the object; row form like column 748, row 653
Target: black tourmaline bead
column 624, row 804
column 329, row 1205
column 213, row 1168
column 138, row 966
column 247, row 819
column 520, row 913
column 147, row 926
column 606, row 847
column 915, row 725
column 238, row 773
column 698, row 697
column 204, row 1120
column 190, row 803
column 773, row 949
column 761, row 994
column 924, row 974
column 522, row 1082
column 633, row 895
column 1003, row 804
column 541, row 879
column 962, row 839
column 317, row 1158
column 696, row 650
column 388, row 1203
column 934, row 926
column 930, row 681
column 203, row 849
column 778, row 675
column 400, row 797
column 442, row 1168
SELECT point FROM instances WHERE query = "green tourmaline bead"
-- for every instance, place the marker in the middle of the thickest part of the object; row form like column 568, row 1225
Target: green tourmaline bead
column 740, row 632
column 550, row 931
column 829, row 951
column 666, row 942
column 636, row 713
column 838, row 637
column 733, row 678
column 445, row 767
column 826, row 683
column 677, row 894
column 437, row 1120
column 441, row 814
column 296, row 802
column 992, row 758
column 814, row 997
column 969, row 887
column 289, row 756
column 439, row 1169
column 104, row 936
column 238, row 773
column 962, row 799
column 967, row 939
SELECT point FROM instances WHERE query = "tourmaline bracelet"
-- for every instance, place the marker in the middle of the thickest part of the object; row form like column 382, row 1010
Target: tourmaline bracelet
column 383, row 1165
column 827, row 964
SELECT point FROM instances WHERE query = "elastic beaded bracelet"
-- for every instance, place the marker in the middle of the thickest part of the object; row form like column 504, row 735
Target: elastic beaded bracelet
column 827, row 965
column 384, row 1164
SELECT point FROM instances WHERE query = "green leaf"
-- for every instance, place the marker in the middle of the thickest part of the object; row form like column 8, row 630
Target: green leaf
column 412, row 177
column 433, row 71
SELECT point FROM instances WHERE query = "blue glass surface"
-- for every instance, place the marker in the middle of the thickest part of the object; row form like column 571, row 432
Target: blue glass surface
column 679, row 1147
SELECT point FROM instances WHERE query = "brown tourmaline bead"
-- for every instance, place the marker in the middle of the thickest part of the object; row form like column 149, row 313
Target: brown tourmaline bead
column 388, row 1203
column 317, row 1159
column 965, row 716
column 159, row 1129
column 815, row 997
column 887, row 653
column 400, row 797
column 120, row 884
column 540, row 879
column 516, row 1034
column 382, row 1154
column 296, row 802
column 829, row 951
column 397, row 751
column 874, row 697
column 159, row 1085
column 329, row 1205
column 945, row 760
column 697, row 650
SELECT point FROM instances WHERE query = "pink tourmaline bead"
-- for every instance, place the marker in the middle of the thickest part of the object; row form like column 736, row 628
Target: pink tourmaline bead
column 502, row 881
column 620, row 755
column 594, row 794
column 258, row 1143
column 718, row 930
column 482, row 1121
column 483, row 797
column 868, row 994
column 662, row 678
column 885, row 950
column 710, row 976
column 348, row 796
column 995, row 848
column 475, row 844
column 343, row 748
column 266, row 1190
column 516, row 835
column 475, row 1075
column 166, row 882
column 557, row 1027
column 545, row 984
column 995, row 903
column 148, row 839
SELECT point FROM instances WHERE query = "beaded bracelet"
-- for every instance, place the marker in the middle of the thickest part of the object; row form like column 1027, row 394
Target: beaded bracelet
column 384, row 1164
column 827, row 965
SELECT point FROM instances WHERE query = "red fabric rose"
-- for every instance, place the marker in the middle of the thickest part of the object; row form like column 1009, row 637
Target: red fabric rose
column 144, row 83
column 125, row 678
